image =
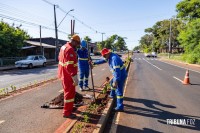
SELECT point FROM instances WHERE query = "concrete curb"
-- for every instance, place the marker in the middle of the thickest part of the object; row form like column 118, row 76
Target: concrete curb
column 104, row 117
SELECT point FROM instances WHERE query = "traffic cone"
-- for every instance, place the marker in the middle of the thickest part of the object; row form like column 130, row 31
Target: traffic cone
column 186, row 80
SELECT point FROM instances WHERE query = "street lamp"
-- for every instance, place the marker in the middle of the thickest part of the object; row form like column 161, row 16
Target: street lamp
column 102, row 36
column 56, row 30
column 65, row 17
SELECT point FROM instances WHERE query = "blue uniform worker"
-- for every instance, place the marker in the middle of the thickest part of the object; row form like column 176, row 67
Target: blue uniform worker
column 119, row 75
column 83, row 66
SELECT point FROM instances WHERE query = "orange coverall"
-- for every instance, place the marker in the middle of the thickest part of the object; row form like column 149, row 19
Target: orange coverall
column 67, row 68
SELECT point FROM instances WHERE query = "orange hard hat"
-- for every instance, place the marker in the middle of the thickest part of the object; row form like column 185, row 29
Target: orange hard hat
column 105, row 51
column 75, row 38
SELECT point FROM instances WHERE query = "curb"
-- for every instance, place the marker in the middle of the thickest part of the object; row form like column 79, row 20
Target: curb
column 104, row 117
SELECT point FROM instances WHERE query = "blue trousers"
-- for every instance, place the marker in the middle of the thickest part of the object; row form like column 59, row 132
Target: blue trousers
column 118, row 93
column 83, row 79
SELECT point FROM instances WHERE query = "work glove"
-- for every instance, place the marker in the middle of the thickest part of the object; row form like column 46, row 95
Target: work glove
column 114, row 84
column 75, row 79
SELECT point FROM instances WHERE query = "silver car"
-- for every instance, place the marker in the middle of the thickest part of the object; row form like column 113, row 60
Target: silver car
column 31, row 61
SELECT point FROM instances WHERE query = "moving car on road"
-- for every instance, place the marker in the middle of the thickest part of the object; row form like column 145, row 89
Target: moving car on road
column 31, row 61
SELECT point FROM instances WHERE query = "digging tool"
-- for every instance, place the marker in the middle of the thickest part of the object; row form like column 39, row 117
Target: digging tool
column 94, row 99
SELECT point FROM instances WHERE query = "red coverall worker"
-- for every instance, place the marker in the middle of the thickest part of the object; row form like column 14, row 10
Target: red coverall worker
column 67, row 72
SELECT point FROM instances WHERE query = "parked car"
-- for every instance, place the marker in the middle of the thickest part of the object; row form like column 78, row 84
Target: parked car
column 153, row 54
column 147, row 54
column 31, row 61
column 91, row 54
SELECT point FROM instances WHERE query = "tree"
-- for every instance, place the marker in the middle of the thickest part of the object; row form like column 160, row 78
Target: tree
column 190, row 40
column 114, row 42
column 188, row 9
column 11, row 40
column 87, row 39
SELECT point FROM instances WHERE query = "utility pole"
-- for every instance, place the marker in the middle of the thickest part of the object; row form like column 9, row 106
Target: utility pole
column 42, row 51
column 170, row 32
column 56, row 34
column 102, row 36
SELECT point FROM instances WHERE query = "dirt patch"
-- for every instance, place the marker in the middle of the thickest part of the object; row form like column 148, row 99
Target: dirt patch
column 58, row 102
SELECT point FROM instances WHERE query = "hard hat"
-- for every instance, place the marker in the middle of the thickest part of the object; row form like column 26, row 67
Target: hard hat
column 75, row 38
column 105, row 51
column 84, row 44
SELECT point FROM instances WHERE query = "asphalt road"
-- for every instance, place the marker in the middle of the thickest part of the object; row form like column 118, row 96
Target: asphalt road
column 22, row 113
column 154, row 94
column 23, row 77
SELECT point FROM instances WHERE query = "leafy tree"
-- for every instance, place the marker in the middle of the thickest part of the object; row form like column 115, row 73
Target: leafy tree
column 190, row 40
column 11, row 40
column 87, row 39
column 115, row 42
column 188, row 9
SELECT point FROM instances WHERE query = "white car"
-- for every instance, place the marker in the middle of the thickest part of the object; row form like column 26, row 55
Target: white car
column 31, row 61
column 153, row 54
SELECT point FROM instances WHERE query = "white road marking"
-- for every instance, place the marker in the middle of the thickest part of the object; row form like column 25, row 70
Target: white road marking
column 177, row 79
column 153, row 65
column 2, row 121
column 180, row 67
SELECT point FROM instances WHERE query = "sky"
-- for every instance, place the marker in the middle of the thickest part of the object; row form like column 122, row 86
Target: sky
column 126, row 18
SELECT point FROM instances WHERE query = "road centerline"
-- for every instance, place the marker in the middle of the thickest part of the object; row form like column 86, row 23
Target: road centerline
column 177, row 79
column 152, row 64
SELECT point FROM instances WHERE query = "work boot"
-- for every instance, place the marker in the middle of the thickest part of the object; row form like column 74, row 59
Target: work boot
column 118, row 110
column 86, row 88
column 81, row 88
column 72, row 116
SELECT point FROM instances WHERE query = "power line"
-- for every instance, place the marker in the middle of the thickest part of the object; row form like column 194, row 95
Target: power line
column 29, row 23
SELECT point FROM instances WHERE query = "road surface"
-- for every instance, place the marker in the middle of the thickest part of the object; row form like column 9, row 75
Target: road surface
column 155, row 95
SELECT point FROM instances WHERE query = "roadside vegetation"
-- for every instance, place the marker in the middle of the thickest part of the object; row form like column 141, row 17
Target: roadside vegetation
column 184, row 40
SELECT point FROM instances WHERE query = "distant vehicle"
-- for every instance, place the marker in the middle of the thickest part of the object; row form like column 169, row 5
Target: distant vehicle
column 153, row 54
column 31, row 61
column 91, row 54
column 147, row 54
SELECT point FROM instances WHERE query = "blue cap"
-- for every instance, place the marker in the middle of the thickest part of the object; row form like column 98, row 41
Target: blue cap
column 84, row 43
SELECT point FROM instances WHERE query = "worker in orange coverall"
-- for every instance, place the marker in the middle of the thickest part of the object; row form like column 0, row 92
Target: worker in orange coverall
column 67, row 72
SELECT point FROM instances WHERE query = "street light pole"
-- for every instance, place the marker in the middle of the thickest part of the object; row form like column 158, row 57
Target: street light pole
column 102, row 36
column 65, row 17
column 56, row 34
column 56, row 31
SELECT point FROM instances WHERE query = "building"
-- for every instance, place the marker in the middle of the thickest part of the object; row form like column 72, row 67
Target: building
column 47, row 47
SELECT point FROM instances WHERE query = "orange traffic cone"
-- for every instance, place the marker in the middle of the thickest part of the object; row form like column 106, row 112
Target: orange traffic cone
column 186, row 80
